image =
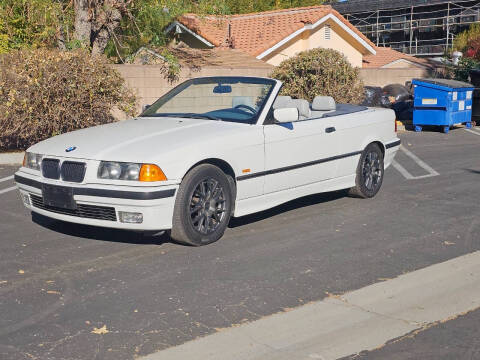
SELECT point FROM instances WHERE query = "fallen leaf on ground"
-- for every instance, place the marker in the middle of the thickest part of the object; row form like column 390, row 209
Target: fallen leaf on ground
column 100, row 331
column 448, row 243
column 54, row 292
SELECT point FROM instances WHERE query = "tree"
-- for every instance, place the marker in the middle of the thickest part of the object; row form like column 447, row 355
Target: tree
column 320, row 71
column 96, row 22
column 115, row 27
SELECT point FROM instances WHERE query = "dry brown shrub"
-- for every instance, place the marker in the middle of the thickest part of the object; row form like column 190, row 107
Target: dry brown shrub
column 323, row 72
column 47, row 92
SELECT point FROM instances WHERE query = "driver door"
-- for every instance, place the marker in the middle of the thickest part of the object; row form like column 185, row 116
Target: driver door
column 299, row 153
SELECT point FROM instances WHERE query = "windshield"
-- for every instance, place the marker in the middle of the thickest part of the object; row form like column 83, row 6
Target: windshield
column 238, row 99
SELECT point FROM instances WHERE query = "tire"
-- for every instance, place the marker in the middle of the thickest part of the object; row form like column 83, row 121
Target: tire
column 203, row 206
column 370, row 172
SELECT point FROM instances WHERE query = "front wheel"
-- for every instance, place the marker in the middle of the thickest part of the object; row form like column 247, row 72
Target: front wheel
column 370, row 172
column 203, row 206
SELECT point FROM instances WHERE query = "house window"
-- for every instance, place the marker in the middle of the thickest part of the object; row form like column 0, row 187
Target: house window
column 328, row 32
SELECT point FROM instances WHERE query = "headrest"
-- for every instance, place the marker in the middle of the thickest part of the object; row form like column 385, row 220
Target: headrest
column 303, row 107
column 323, row 103
column 282, row 102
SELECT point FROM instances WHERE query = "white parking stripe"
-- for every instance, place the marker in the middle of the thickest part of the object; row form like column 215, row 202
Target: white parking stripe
column 419, row 162
column 347, row 324
column 7, row 189
column 472, row 131
column 402, row 170
column 6, row 178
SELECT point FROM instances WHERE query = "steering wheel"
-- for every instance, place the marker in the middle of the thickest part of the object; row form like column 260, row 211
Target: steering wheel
column 249, row 108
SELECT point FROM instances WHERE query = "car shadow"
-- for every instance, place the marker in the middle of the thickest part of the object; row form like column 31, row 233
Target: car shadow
column 289, row 206
column 132, row 237
column 100, row 233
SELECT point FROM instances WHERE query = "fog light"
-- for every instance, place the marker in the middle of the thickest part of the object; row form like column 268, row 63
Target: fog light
column 25, row 199
column 130, row 217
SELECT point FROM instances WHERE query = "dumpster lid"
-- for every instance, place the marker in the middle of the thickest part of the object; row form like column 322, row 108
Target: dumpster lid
column 453, row 84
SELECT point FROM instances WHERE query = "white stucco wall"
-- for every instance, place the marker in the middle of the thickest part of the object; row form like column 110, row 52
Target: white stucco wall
column 339, row 40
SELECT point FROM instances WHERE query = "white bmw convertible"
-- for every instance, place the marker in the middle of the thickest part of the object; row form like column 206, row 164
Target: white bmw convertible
column 209, row 149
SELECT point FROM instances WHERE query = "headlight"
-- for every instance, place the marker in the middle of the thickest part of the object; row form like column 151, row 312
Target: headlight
column 32, row 161
column 130, row 171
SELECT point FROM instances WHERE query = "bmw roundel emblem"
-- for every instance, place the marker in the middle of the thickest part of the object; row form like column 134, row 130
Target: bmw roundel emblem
column 71, row 148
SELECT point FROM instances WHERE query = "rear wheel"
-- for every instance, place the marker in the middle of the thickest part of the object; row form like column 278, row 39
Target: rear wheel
column 203, row 206
column 370, row 172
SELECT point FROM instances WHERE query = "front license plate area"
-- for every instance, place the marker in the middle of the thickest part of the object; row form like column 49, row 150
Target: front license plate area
column 58, row 196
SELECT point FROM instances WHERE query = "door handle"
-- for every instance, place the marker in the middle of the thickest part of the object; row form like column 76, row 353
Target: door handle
column 330, row 130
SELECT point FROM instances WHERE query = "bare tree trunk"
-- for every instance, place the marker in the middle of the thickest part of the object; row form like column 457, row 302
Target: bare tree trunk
column 61, row 38
column 83, row 25
column 103, row 29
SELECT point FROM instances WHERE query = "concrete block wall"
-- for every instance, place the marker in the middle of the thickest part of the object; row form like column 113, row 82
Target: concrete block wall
column 383, row 77
column 149, row 83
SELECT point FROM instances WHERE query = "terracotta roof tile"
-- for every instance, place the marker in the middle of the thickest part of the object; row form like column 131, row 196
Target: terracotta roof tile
column 387, row 55
column 256, row 32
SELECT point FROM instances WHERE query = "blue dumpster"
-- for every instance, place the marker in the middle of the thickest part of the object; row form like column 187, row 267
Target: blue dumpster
column 442, row 102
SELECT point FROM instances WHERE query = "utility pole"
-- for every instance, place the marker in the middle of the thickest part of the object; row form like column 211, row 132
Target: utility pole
column 448, row 26
column 411, row 29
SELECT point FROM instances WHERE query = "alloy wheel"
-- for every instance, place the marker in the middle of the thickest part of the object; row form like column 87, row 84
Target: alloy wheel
column 207, row 206
column 372, row 170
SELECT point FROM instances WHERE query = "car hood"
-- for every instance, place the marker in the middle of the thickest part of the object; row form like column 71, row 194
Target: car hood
column 133, row 140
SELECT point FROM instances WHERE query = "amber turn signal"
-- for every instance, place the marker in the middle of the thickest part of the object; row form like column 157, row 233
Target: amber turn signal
column 150, row 172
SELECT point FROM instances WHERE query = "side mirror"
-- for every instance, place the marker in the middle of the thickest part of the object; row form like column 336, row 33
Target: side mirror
column 145, row 107
column 286, row 115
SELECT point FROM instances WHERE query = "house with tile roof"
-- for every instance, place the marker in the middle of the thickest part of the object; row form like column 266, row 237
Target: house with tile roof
column 274, row 36
column 388, row 58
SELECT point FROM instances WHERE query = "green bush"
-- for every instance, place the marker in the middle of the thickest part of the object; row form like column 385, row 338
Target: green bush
column 463, row 40
column 461, row 72
column 320, row 72
column 46, row 92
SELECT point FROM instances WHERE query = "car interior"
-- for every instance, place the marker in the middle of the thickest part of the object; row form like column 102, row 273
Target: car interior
column 321, row 107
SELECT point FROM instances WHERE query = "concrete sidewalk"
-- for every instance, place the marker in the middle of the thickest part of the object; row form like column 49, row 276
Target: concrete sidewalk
column 11, row 158
column 343, row 325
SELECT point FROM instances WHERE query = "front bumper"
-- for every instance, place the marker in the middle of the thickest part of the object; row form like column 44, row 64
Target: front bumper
column 99, row 205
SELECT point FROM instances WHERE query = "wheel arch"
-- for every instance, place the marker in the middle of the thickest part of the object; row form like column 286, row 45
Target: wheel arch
column 226, row 168
column 222, row 164
column 380, row 145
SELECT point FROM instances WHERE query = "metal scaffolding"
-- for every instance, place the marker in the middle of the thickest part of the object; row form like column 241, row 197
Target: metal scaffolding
column 417, row 27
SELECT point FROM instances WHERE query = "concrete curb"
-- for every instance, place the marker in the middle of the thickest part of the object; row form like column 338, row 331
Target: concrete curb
column 339, row 326
column 11, row 158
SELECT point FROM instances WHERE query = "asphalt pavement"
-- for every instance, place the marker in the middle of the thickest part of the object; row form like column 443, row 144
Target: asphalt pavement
column 76, row 292
column 458, row 339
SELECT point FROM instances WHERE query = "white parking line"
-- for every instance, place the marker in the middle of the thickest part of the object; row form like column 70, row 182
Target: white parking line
column 6, row 178
column 7, row 190
column 419, row 162
column 473, row 132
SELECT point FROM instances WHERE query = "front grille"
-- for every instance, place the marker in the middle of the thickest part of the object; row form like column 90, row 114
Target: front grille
column 73, row 171
column 83, row 211
column 51, row 168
